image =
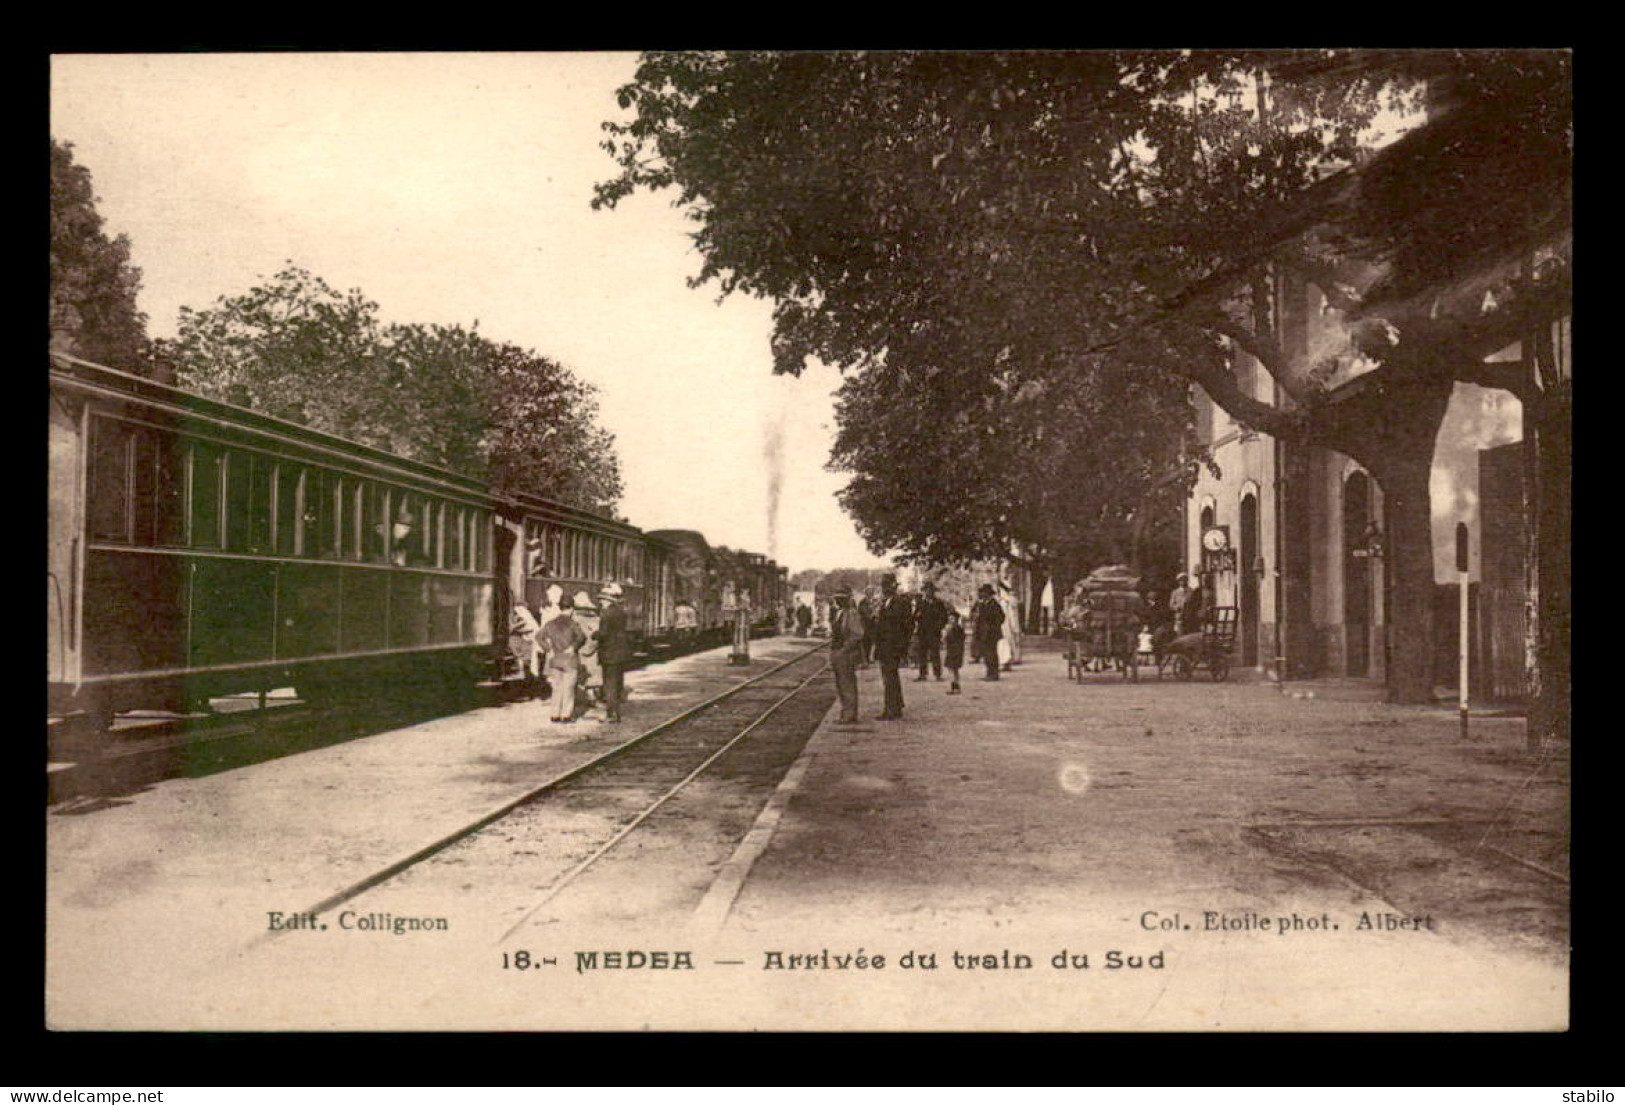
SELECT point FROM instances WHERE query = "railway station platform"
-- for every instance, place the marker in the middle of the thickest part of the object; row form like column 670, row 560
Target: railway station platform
column 1031, row 820
column 172, row 868
column 1035, row 815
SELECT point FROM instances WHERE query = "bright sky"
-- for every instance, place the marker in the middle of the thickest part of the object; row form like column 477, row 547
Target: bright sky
column 452, row 188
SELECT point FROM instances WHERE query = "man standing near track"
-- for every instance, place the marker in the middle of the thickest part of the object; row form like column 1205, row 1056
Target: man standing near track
column 894, row 626
column 563, row 639
column 614, row 648
column 987, row 625
column 866, row 609
column 932, row 615
column 846, row 633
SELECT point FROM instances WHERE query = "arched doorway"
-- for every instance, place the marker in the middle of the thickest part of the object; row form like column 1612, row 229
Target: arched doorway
column 1356, row 574
column 1247, row 617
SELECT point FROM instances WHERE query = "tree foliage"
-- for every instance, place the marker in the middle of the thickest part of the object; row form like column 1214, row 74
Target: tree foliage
column 892, row 206
column 960, row 229
column 93, row 312
column 296, row 348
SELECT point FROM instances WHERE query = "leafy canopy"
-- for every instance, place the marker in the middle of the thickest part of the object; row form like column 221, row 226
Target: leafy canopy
column 93, row 312
column 958, row 230
column 296, row 348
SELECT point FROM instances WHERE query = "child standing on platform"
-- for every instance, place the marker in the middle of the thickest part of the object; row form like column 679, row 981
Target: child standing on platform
column 953, row 649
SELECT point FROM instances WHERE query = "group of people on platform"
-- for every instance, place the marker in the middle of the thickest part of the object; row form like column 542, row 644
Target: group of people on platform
column 574, row 647
column 894, row 630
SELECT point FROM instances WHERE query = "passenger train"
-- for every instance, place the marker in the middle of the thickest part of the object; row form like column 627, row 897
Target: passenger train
column 196, row 549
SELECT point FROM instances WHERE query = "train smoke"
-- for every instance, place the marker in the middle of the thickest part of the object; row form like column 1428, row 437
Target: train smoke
column 773, row 457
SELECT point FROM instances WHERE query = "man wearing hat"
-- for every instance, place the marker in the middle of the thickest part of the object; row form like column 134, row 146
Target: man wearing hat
column 563, row 639
column 987, row 624
column 931, row 616
column 846, row 633
column 614, row 648
column 894, row 627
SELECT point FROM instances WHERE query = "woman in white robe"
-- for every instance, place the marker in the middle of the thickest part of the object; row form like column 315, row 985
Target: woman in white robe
column 1010, row 643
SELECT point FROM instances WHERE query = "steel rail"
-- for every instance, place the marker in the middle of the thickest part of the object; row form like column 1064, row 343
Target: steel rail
column 1418, row 823
column 440, row 843
column 626, row 830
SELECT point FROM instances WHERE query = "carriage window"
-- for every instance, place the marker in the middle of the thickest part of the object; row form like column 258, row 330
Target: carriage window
column 404, row 530
column 409, row 539
column 248, row 503
column 454, row 538
column 436, row 536
column 109, row 481
column 374, row 515
column 349, row 520
column 482, row 523
column 169, row 490
column 142, row 486
column 259, row 505
column 538, row 551
column 237, row 472
column 208, row 472
column 290, row 489
column 157, row 484
column 319, row 515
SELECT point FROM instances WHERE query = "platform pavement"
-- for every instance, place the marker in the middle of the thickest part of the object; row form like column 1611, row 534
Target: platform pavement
column 174, row 868
column 1038, row 813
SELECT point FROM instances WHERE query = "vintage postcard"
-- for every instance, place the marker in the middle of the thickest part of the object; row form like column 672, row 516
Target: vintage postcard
column 775, row 541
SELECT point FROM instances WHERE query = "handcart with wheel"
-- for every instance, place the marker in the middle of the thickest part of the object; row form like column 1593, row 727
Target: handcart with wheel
column 1107, row 634
column 1208, row 650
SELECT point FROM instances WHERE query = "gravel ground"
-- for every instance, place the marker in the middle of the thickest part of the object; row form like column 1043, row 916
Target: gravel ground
column 1159, row 832
column 1037, row 814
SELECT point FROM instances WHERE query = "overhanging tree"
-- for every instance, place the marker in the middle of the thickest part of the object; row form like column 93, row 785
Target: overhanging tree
column 93, row 312
column 1012, row 213
column 1057, row 478
column 298, row 349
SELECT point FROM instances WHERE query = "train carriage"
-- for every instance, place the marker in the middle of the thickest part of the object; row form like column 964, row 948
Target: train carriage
column 549, row 544
column 197, row 549
column 697, row 573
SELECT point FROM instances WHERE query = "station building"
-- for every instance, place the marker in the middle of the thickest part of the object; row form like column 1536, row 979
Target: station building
column 1292, row 535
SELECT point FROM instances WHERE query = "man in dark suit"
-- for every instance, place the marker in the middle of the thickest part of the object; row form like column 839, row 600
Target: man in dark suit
column 931, row 615
column 866, row 609
column 614, row 648
column 846, row 633
column 894, row 625
column 987, row 626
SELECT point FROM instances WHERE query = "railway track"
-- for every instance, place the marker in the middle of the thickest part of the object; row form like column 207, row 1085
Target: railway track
column 742, row 740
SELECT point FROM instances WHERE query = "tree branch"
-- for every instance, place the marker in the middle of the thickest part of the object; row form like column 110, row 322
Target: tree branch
column 1222, row 388
column 1341, row 294
column 1266, row 351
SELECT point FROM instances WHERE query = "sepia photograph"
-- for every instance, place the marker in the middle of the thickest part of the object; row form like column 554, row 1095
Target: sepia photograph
column 532, row 538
